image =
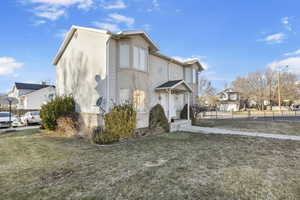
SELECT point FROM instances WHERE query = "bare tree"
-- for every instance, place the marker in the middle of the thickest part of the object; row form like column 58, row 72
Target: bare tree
column 207, row 93
column 263, row 85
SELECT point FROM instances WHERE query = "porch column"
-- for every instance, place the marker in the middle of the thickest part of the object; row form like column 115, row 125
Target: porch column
column 188, row 106
column 169, row 102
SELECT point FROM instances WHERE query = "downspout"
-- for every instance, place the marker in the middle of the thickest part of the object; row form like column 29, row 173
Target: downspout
column 107, row 72
column 169, row 71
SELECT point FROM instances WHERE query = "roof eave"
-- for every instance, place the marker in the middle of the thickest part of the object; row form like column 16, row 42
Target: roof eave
column 175, row 85
column 154, row 46
column 68, row 38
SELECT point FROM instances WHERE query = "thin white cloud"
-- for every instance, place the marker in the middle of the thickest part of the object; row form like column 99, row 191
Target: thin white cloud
column 155, row 6
column 117, row 18
column 292, row 62
column 61, row 33
column 297, row 52
column 39, row 22
column 49, row 12
column 8, row 65
column 276, row 38
column 118, row 4
column 107, row 26
column 54, row 9
column 146, row 27
column 113, row 21
column 80, row 3
column 286, row 22
column 86, row 4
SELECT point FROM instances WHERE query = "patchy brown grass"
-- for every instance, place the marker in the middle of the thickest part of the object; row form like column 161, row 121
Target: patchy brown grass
column 276, row 127
column 169, row 166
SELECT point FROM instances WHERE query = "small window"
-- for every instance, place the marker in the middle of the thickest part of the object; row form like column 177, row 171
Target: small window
column 124, row 55
column 139, row 58
column 139, row 100
column 124, row 95
column 188, row 75
column 194, row 75
column 143, row 57
column 136, row 57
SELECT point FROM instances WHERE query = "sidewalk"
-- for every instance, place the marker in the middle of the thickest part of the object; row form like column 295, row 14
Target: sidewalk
column 7, row 130
column 205, row 130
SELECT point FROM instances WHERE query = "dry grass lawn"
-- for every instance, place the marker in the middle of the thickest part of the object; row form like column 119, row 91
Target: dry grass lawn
column 170, row 166
column 276, row 127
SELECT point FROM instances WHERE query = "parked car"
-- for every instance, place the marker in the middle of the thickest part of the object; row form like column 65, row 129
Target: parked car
column 4, row 120
column 295, row 107
column 31, row 118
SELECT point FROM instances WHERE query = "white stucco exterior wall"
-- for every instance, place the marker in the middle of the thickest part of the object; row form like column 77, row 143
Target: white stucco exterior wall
column 89, row 54
column 77, row 70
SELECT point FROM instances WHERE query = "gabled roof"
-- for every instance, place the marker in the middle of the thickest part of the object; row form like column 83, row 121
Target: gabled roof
column 185, row 63
column 36, row 91
column 119, row 35
column 192, row 62
column 31, row 86
column 228, row 90
column 173, row 84
column 143, row 34
column 123, row 34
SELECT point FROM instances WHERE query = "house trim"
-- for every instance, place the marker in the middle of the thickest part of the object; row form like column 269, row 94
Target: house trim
column 122, row 35
column 171, row 87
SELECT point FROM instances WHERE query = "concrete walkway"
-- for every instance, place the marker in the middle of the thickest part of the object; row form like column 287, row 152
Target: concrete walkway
column 205, row 130
column 7, row 130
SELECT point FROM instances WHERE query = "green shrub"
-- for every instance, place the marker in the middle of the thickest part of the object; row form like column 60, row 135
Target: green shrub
column 99, row 136
column 183, row 113
column 58, row 107
column 120, row 123
column 158, row 119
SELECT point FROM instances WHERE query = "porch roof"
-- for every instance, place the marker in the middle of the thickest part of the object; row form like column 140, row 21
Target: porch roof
column 172, row 85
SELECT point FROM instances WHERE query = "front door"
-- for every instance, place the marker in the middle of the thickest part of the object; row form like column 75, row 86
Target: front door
column 173, row 106
column 164, row 102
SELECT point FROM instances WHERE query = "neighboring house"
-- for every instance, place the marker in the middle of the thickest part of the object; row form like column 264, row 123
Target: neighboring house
column 229, row 100
column 3, row 101
column 94, row 64
column 32, row 96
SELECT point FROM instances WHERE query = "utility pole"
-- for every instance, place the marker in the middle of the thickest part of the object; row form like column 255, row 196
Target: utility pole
column 279, row 91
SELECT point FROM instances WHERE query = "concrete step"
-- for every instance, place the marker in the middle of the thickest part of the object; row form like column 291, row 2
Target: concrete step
column 180, row 125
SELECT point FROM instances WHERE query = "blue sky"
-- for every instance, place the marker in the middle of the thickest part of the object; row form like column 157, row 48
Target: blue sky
column 230, row 37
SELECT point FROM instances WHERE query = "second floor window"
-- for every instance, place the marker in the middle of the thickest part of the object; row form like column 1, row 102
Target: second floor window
column 194, row 75
column 188, row 75
column 124, row 55
column 139, row 58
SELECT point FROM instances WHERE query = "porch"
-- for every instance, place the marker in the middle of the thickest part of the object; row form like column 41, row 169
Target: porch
column 173, row 95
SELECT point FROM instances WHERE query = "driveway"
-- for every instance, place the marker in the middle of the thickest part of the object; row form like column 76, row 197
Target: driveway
column 6, row 130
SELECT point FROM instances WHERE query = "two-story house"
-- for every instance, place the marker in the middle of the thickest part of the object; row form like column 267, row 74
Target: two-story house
column 32, row 96
column 229, row 100
column 98, row 66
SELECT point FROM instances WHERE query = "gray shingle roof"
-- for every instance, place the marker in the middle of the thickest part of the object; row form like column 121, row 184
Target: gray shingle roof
column 169, row 84
column 31, row 86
